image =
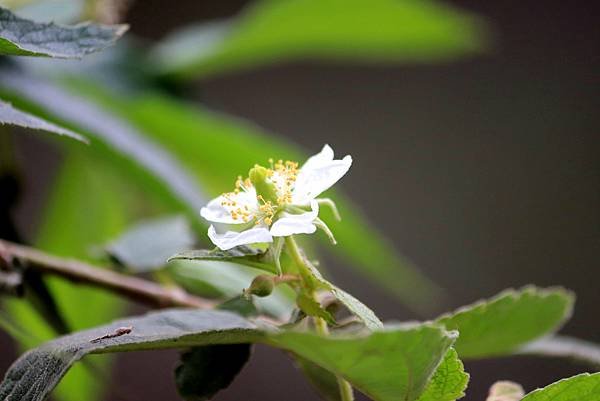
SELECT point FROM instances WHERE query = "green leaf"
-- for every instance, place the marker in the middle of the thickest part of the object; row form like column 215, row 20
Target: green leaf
column 12, row 116
column 215, row 148
column 360, row 310
column 501, row 325
column 385, row 365
column 243, row 255
column 583, row 387
column 204, row 371
column 147, row 245
column 389, row 365
column 313, row 308
column 22, row 37
column 271, row 31
column 447, row 384
column 449, row 381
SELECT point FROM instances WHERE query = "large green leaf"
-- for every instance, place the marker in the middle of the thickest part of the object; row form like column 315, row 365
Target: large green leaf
column 12, row 116
column 583, row 387
column 501, row 325
column 270, row 31
column 215, row 149
column 385, row 365
column 388, row 365
column 22, row 37
column 448, row 383
column 68, row 229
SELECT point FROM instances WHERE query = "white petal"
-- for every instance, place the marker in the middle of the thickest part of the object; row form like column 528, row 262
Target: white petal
column 289, row 224
column 323, row 157
column 318, row 174
column 216, row 212
column 232, row 239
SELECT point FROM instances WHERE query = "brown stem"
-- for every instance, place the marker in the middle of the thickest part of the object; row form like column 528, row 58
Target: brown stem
column 134, row 288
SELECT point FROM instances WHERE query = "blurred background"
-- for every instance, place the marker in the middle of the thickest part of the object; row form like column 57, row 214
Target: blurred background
column 484, row 171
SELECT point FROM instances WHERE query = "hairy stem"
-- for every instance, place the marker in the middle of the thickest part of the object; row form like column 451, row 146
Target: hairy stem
column 136, row 289
column 345, row 388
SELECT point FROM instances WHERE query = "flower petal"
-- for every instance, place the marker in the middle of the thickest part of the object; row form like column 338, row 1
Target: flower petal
column 232, row 239
column 218, row 212
column 289, row 224
column 318, row 174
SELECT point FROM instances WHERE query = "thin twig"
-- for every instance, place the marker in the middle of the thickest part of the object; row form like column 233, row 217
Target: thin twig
column 134, row 288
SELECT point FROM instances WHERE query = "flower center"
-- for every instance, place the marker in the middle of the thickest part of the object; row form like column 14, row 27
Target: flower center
column 284, row 175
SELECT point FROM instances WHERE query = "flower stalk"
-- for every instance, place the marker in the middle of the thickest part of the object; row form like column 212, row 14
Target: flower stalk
column 345, row 388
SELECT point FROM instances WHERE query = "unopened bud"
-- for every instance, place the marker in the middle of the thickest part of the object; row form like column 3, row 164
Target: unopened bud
column 259, row 176
column 261, row 286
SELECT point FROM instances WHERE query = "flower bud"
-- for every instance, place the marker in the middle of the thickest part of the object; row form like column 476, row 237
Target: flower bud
column 259, row 176
column 261, row 286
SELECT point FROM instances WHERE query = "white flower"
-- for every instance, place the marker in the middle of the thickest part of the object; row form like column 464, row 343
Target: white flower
column 284, row 204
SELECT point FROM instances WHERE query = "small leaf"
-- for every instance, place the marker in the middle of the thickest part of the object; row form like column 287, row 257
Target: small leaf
column 243, row 255
column 272, row 31
column 204, row 371
column 22, row 37
column 388, row 365
column 313, row 308
column 501, row 325
column 149, row 244
column 12, row 116
column 449, row 381
column 583, row 387
column 360, row 310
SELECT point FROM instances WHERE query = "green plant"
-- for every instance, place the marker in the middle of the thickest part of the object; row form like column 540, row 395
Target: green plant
column 141, row 151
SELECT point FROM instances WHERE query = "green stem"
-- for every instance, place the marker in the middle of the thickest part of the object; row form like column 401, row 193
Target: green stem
column 346, row 392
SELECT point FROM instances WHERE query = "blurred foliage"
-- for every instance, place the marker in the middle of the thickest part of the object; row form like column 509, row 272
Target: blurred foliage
column 270, row 31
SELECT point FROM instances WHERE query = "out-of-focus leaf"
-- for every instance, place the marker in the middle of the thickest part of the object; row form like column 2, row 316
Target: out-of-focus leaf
column 204, row 371
column 22, row 37
column 323, row 381
column 149, row 244
column 243, row 255
column 583, row 387
column 12, row 116
column 373, row 31
column 216, row 149
column 59, row 11
column 227, row 280
column 155, row 170
column 565, row 347
column 389, row 365
column 68, row 229
column 449, row 381
column 501, row 325
column 505, row 391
